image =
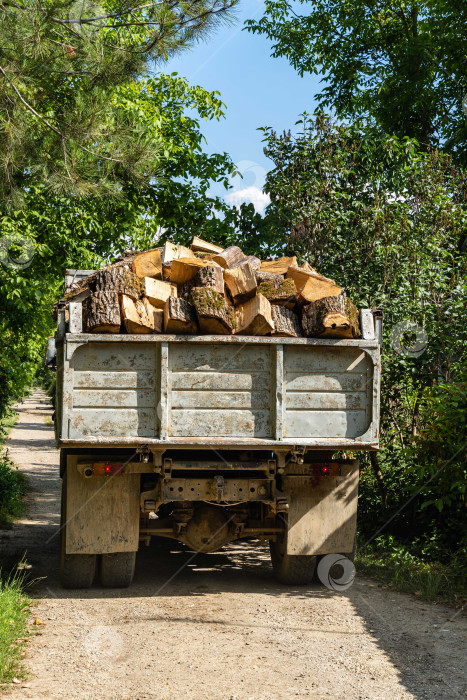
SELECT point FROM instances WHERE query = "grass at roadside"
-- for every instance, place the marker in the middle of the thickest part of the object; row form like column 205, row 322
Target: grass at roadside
column 13, row 485
column 14, row 611
column 404, row 572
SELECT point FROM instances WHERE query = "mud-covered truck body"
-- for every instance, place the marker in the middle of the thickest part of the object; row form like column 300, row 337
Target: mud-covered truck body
column 210, row 439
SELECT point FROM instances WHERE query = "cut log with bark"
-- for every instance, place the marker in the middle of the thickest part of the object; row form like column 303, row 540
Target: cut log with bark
column 148, row 264
column 197, row 244
column 269, row 277
column 311, row 285
column 185, row 269
column 158, row 292
column 117, row 278
column 210, row 276
column 253, row 260
column 286, row 322
column 214, row 314
column 284, row 294
column 241, row 282
column 141, row 316
column 279, row 266
column 230, row 257
column 101, row 312
column 331, row 317
column 254, row 317
column 179, row 317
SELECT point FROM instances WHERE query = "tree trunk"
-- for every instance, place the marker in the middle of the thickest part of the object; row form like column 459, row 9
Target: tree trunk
column 286, row 322
column 179, row 317
column 331, row 317
column 214, row 315
column 101, row 312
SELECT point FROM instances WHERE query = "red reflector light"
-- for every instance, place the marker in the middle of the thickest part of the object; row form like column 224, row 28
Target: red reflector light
column 108, row 468
column 325, row 470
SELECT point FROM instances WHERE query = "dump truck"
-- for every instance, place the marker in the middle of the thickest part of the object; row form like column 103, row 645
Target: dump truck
column 207, row 440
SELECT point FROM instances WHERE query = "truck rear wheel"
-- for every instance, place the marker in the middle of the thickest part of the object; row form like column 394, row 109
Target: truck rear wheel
column 290, row 568
column 117, row 569
column 76, row 570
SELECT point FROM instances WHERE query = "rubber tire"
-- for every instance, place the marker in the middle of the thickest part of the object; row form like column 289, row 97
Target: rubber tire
column 117, row 569
column 291, row 569
column 76, row 570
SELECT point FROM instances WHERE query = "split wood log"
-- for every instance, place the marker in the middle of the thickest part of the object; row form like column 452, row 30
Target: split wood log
column 158, row 292
column 254, row 317
column 241, row 282
column 214, row 315
column 148, row 264
column 197, row 244
column 179, row 317
column 171, row 252
column 286, row 322
column 284, row 294
column 101, row 312
column 311, row 285
column 140, row 316
column 210, row 276
column 331, row 317
column 279, row 266
column 185, row 269
column 230, row 257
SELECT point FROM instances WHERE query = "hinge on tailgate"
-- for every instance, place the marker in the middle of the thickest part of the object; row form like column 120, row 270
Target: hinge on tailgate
column 298, row 454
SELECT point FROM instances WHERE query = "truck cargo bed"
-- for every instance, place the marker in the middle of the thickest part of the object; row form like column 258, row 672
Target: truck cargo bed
column 191, row 391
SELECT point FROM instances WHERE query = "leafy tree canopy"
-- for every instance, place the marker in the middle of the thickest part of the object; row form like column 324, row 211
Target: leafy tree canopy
column 404, row 64
column 64, row 67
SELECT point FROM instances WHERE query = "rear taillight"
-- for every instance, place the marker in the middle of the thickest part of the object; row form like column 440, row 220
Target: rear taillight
column 108, row 468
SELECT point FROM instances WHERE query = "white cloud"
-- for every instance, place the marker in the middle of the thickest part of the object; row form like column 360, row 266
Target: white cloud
column 250, row 194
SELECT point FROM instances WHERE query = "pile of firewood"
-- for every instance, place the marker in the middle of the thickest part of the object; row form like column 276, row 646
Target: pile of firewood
column 207, row 289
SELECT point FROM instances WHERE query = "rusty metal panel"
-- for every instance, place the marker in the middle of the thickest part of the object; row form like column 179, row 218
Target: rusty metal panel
column 113, row 390
column 224, row 411
column 337, row 403
column 322, row 516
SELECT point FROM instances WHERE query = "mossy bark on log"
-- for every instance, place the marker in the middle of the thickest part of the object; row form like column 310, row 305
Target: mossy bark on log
column 284, row 294
column 286, row 322
column 179, row 317
column 331, row 317
column 269, row 277
column 101, row 312
column 255, row 317
column 214, row 315
column 230, row 257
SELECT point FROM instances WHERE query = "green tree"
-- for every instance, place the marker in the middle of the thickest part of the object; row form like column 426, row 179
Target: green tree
column 403, row 64
column 63, row 119
column 385, row 220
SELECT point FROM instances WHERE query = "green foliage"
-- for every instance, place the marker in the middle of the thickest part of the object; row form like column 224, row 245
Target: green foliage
column 63, row 119
column 12, row 490
column 402, row 64
column 14, row 611
column 386, row 221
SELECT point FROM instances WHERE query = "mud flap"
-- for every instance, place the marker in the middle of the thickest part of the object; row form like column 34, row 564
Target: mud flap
column 102, row 512
column 323, row 515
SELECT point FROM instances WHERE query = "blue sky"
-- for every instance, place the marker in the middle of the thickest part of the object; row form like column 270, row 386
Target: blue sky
column 258, row 91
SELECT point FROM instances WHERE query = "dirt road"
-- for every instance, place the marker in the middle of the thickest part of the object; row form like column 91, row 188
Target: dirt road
column 216, row 626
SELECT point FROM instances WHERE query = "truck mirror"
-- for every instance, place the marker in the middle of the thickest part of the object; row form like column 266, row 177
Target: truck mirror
column 51, row 354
